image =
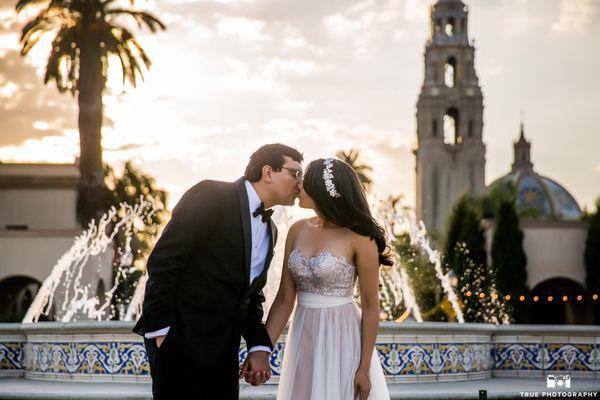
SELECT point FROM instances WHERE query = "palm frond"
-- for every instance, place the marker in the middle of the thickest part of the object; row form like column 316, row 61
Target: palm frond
column 21, row 4
column 64, row 58
column 141, row 17
column 34, row 29
column 121, row 42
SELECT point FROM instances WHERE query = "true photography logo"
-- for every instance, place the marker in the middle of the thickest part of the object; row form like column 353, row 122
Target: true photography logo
column 559, row 385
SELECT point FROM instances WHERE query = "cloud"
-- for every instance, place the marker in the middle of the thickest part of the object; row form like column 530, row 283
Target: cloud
column 575, row 16
column 293, row 40
column 60, row 148
column 209, row 1
column 522, row 22
column 24, row 99
column 269, row 75
column 387, row 151
column 364, row 21
column 416, row 10
column 295, row 106
column 245, row 29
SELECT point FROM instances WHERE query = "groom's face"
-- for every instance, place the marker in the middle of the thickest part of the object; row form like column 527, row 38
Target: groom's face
column 284, row 184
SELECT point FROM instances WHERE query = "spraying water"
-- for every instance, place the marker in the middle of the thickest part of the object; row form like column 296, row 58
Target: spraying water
column 76, row 301
column 398, row 220
column 67, row 275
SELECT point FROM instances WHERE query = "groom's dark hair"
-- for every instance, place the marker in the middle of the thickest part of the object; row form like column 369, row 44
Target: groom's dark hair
column 269, row 154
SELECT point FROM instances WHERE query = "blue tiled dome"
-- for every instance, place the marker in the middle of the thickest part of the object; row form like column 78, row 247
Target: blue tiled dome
column 545, row 197
column 537, row 196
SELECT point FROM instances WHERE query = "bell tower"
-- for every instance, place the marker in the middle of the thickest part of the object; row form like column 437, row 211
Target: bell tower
column 450, row 153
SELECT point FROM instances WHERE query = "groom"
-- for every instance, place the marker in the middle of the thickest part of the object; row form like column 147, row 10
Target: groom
column 205, row 280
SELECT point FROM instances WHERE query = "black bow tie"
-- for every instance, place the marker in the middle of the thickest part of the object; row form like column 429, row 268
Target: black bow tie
column 266, row 214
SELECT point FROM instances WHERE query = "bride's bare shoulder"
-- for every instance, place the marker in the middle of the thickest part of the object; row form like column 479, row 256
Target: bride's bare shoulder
column 362, row 244
column 298, row 225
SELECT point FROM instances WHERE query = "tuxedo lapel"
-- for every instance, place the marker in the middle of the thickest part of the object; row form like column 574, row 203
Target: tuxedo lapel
column 246, row 227
column 272, row 230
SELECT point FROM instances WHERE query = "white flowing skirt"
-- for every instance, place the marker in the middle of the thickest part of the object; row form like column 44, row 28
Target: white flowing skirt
column 322, row 352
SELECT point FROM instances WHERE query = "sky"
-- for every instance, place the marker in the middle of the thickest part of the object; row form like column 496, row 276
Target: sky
column 321, row 76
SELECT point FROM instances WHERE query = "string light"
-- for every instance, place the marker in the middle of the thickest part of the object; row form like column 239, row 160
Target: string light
column 535, row 298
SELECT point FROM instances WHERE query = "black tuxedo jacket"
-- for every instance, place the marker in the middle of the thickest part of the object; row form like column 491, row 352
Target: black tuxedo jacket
column 199, row 276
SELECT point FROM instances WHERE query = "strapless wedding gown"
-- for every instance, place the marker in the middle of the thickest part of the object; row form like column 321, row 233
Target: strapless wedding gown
column 322, row 350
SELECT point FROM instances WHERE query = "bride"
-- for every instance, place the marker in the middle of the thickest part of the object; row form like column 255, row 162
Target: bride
column 329, row 353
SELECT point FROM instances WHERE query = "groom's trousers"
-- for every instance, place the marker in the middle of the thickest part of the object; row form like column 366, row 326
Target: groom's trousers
column 176, row 377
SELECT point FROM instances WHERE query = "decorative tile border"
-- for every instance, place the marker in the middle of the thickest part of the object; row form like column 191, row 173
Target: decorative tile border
column 573, row 357
column 94, row 358
column 518, row 357
column 11, row 354
column 408, row 352
column 434, row 358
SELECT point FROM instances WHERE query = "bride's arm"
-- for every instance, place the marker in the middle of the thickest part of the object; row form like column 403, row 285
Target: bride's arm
column 283, row 305
column 367, row 264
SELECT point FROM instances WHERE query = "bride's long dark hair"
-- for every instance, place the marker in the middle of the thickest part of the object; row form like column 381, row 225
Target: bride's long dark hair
column 351, row 209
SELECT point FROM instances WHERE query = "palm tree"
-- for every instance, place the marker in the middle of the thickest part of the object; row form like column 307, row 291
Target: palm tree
column 86, row 35
column 362, row 170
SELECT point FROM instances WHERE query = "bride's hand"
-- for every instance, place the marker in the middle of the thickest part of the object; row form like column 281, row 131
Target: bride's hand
column 362, row 384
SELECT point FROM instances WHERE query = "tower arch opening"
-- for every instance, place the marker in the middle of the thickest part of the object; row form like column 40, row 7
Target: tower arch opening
column 451, row 124
column 438, row 25
column 450, row 72
column 450, row 27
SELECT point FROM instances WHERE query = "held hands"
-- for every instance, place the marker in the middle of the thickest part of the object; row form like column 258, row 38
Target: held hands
column 362, row 384
column 256, row 369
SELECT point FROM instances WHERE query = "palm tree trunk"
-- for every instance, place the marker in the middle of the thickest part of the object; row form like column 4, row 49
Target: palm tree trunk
column 90, row 88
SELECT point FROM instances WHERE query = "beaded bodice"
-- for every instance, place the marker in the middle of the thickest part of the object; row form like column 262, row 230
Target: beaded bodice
column 325, row 273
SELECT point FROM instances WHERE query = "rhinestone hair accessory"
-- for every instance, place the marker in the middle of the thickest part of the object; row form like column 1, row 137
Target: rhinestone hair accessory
column 328, row 178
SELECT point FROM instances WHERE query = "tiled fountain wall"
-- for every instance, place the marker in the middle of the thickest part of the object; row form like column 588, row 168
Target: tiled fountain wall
column 409, row 352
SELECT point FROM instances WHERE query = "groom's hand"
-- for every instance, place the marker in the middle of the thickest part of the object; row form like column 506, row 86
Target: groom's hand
column 256, row 369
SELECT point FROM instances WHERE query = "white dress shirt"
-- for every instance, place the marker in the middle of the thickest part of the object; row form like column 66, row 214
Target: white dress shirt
column 260, row 247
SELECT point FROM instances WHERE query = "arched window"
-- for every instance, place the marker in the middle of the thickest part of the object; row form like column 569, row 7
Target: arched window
column 471, row 128
column 451, row 124
column 450, row 72
column 438, row 25
column 449, row 28
column 16, row 295
column 560, row 311
column 434, row 128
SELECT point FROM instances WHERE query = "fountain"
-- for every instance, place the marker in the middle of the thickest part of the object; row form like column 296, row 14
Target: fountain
column 93, row 243
column 84, row 344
